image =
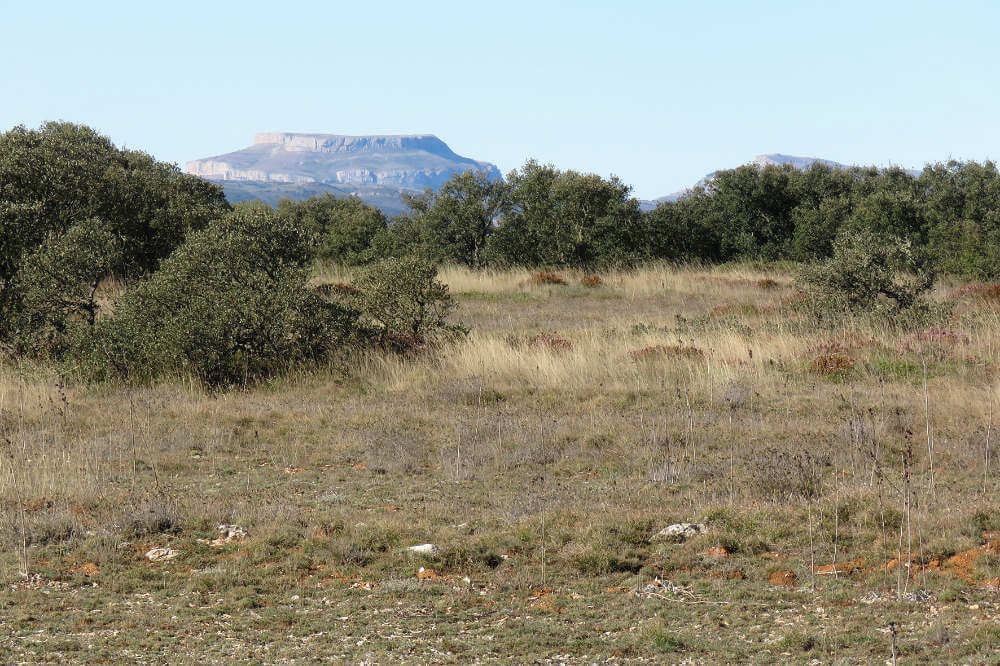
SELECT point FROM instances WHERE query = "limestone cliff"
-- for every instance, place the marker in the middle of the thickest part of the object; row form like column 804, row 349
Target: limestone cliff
column 404, row 162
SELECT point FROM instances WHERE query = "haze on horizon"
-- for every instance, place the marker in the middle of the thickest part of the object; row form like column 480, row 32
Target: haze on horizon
column 656, row 93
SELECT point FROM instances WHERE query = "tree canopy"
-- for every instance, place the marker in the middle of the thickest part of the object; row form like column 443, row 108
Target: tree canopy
column 75, row 209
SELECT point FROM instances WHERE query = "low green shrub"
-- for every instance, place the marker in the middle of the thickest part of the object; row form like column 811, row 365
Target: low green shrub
column 869, row 274
column 230, row 306
column 404, row 305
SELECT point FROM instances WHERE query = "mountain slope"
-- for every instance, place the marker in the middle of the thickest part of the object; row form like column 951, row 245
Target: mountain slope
column 377, row 168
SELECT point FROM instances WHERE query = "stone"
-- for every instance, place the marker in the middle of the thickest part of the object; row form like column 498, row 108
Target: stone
column 227, row 534
column 232, row 532
column 161, row 554
column 680, row 532
column 425, row 549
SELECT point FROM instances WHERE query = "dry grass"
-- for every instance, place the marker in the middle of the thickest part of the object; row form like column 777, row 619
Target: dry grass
column 541, row 454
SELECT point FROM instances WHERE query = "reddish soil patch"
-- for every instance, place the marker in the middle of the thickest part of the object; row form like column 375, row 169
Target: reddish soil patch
column 959, row 565
column 428, row 574
column 545, row 604
column 784, row 578
column 831, row 364
column 545, row 277
column 37, row 504
column 86, row 568
column 543, row 599
column 913, row 566
column 550, row 341
column 716, row 552
column 351, row 581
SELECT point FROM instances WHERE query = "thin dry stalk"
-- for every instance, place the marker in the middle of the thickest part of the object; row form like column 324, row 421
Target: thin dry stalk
column 18, row 496
column 986, row 461
column 930, row 438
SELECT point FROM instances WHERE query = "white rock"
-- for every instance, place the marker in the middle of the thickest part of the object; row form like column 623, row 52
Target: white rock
column 680, row 531
column 227, row 534
column 232, row 532
column 161, row 554
column 425, row 549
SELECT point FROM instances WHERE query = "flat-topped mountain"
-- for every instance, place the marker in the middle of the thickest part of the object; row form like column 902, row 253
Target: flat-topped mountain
column 377, row 168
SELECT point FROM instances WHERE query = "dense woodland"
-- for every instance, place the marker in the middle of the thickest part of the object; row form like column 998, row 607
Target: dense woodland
column 543, row 216
column 120, row 266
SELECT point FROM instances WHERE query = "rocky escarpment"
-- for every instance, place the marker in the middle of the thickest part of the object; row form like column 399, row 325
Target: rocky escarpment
column 404, row 162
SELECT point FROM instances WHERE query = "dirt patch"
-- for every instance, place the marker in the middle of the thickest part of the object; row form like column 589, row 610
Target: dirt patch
column 545, row 277
column 839, row 568
column 85, row 568
column 37, row 504
column 428, row 574
column 959, row 565
column 831, row 364
column 351, row 581
column 783, row 578
column 544, row 600
column 549, row 341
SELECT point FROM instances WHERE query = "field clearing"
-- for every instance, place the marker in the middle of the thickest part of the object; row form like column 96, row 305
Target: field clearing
column 846, row 475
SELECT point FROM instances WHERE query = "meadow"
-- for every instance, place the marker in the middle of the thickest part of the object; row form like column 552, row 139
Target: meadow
column 845, row 473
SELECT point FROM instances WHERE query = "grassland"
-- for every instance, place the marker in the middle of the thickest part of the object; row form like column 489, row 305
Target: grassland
column 846, row 473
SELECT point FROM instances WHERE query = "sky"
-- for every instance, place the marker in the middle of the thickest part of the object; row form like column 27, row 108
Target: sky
column 656, row 92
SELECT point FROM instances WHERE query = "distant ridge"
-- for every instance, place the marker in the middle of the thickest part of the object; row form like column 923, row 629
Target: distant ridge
column 777, row 159
column 376, row 168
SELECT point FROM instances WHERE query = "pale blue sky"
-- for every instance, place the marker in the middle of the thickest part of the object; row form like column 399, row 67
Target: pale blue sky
column 658, row 93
